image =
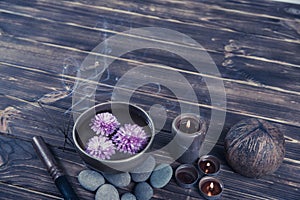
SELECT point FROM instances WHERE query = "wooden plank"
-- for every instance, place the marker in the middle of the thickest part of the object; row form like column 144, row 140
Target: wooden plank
column 159, row 11
column 9, row 192
column 36, row 119
column 201, row 39
column 233, row 64
column 251, row 46
column 240, row 98
column 233, row 67
column 256, row 80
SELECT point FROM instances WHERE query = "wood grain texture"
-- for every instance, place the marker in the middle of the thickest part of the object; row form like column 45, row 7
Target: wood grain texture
column 267, row 99
column 251, row 81
column 21, row 171
column 42, row 44
column 9, row 192
column 93, row 33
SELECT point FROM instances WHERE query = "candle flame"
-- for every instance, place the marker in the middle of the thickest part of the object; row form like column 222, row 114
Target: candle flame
column 210, row 189
column 206, row 167
column 188, row 124
column 209, row 194
column 211, row 186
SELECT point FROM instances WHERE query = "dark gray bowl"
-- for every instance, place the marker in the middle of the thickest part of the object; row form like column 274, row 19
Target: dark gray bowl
column 125, row 113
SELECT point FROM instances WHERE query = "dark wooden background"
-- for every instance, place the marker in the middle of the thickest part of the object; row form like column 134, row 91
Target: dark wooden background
column 255, row 45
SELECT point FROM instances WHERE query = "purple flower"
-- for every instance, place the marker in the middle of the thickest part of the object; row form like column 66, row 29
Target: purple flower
column 130, row 138
column 100, row 147
column 104, row 124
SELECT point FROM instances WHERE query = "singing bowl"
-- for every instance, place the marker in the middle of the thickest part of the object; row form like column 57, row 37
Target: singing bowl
column 125, row 113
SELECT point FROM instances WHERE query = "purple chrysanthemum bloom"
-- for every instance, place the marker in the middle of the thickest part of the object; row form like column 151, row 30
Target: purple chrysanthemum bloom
column 104, row 124
column 100, row 147
column 130, row 138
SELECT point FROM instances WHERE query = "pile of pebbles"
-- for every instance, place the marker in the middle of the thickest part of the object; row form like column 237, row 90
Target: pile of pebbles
column 105, row 185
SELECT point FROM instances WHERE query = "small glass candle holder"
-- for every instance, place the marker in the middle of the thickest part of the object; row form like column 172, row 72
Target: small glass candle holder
column 190, row 130
column 186, row 175
column 211, row 188
column 208, row 165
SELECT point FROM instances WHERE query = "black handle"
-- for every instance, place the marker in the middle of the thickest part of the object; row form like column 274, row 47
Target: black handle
column 65, row 188
column 56, row 173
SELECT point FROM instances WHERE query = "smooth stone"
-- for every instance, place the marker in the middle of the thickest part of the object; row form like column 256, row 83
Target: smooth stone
column 107, row 191
column 161, row 175
column 143, row 172
column 128, row 196
column 90, row 180
column 118, row 180
column 143, row 191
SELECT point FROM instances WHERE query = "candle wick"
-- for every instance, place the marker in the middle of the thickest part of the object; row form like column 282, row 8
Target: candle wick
column 188, row 124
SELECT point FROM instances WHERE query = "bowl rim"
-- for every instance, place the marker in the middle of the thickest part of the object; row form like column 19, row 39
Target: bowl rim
column 191, row 168
column 150, row 124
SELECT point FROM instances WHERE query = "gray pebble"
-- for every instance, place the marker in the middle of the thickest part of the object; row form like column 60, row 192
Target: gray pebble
column 161, row 175
column 118, row 180
column 128, row 196
column 143, row 191
column 143, row 171
column 90, row 180
column 107, row 191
